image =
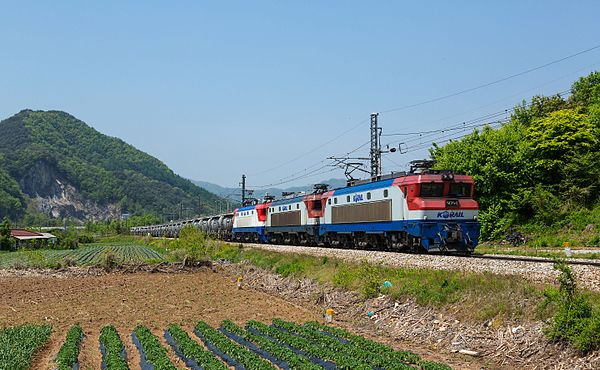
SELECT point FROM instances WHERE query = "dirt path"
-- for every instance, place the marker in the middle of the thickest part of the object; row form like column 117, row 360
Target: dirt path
column 126, row 300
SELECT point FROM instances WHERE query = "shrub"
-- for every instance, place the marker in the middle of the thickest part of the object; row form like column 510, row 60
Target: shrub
column 85, row 238
column 109, row 261
column 67, row 262
column 575, row 322
column 192, row 246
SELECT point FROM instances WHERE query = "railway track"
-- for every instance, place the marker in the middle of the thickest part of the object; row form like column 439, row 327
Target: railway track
column 500, row 257
column 570, row 261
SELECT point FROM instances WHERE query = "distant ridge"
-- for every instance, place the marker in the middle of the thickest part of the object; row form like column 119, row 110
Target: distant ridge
column 235, row 193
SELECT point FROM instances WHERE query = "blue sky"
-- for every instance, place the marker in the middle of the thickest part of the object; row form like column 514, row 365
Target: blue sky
column 217, row 89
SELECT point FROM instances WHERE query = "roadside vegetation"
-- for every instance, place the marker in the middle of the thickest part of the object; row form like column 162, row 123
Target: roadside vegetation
column 538, row 172
column 577, row 319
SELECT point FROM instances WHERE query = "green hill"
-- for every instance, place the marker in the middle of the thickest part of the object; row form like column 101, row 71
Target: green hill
column 54, row 164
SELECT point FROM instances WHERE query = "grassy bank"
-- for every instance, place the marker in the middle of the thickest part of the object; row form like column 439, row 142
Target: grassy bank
column 469, row 296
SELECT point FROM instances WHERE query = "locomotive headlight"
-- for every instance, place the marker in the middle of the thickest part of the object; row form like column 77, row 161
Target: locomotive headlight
column 424, row 217
column 475, row 217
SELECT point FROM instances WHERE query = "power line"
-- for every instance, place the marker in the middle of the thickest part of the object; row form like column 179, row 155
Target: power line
column 312, row 150
column 489, row 83
column 308, row 175
column 473, row 123
column 419, row 104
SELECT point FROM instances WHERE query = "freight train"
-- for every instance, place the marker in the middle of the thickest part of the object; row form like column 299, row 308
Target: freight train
column 429, row 211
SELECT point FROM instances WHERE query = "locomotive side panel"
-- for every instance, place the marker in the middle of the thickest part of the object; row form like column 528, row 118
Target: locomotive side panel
column 363, row 212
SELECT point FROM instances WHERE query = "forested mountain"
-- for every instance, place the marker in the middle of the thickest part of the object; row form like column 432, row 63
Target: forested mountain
column 541, row 170
column 54, row 164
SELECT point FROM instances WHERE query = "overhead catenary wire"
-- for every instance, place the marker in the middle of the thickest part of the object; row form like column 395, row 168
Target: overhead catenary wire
column 475, row 88
column 429, row 136
column 473, row 123
column 423, row 103
column 312, row 150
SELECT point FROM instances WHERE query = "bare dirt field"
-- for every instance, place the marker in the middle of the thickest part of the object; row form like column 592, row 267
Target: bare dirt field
column 155, row 300
column 126, row 300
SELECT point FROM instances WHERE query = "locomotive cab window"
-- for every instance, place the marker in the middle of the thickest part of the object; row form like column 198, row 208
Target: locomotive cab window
column 329, row 201
column 317, row 206
column 459, row 190
column 334, row 200
column 385, row 193
column 432, row 189
column 368, row 196
column 348, row 199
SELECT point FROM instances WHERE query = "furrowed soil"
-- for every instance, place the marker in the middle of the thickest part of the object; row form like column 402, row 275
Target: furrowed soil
column 155, row 300
column 126, row 300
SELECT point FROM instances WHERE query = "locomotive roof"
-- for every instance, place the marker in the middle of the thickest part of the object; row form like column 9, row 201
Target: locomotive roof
column 280, row 202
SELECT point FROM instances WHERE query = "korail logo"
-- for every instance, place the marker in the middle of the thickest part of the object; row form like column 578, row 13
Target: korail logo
column 450, row 214
column 357, row 198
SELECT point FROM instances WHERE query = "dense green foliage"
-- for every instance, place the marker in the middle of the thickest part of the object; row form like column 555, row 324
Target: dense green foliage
column 69, row 352
column 192, row 350
column 155, row 353
column 350, row 350
column 341, row 360
column 5, row 239
column 541, row 168
column 37, row 148
column 18, row 344
column 576, row 321
column 241, row 354
column 379, row 349
column 366, row 344
column 294, row 360
column 113, row 357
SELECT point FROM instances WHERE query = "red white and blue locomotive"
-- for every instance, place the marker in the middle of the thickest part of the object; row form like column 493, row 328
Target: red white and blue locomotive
column 430, row 211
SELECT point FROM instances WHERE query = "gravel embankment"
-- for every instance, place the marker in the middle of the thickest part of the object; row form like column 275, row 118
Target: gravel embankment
column 588, row 276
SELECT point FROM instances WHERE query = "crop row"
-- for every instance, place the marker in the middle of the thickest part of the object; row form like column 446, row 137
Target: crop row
column 113, row 350
column 153, row 355
column 257, row 346
column 194, row 355
column 123, row 253
column 376, row 347
column 18, row 345
column 307, row 347
column 279, row 352
column 67, row 357
column 231, row 352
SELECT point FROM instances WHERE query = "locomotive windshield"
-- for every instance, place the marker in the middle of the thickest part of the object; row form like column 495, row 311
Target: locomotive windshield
column 432, row 189
column 459, row 190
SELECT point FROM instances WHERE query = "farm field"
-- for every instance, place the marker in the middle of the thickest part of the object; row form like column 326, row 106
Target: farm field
column 117, row 305
column 255, row 345
column 84, row 256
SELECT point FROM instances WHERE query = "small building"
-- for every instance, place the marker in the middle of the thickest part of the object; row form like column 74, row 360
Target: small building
column 31, row 239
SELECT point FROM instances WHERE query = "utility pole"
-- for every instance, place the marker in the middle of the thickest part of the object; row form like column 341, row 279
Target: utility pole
column 243, row 183
column 375, row 147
